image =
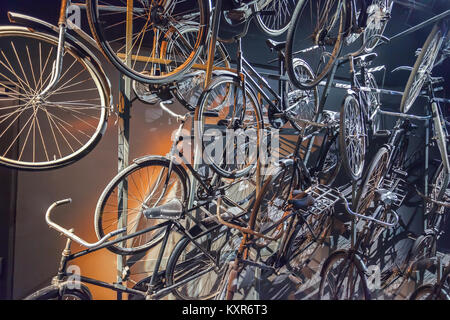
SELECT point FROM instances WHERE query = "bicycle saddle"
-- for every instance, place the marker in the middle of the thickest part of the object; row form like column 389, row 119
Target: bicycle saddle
column 275, row 45
column 303, row 203
column 170, row 210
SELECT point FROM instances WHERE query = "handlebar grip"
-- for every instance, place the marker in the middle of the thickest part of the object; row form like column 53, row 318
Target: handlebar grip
column 64, row 201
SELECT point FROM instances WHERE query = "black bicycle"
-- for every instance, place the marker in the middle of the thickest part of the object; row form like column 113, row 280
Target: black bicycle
column 193, row 271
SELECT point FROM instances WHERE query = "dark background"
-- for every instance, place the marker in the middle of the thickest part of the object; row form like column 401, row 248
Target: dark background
column 31, row 251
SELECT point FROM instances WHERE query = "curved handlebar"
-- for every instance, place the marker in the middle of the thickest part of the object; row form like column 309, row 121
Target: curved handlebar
column 70, row 234
column 385, row 224
column 363, row 47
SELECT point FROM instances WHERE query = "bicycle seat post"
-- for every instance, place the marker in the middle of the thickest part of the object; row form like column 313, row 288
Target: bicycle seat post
column 63, row 262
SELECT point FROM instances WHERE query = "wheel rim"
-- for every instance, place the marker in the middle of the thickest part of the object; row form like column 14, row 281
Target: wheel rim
column 39, row 132
column 343, row 282
column 423, row 70
column 193, row 261
column 316, row 38
column 354, row 137
column 147, row 187
column 302, row 104
column 372, row 183
column 377, row 18
column 277, row 24
column 153, row 23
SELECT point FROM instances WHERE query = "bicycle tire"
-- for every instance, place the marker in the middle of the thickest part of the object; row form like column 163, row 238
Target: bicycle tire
column 53, row 292
column 307, row 100
column 424, row 246
column 372, row 180
column 374, row 13
column 426, row 291
column 424, row 61
column 198, row 261
column 156, row 13
column 215, row 100
column 291, row 52
column 301, row 246
column 352, row 132
column 329, row 262
column 189, row 97
column 267, row 24
column 42, row 133
column 181, row 184
column 332, row 164
column 437, row 192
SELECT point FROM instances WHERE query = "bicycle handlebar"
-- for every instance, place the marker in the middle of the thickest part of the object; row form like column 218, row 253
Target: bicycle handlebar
column 70, row 234
column 385, row 224
column 363, row 47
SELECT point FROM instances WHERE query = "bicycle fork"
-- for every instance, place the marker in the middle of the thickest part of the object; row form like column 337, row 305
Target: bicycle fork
column 57, row 64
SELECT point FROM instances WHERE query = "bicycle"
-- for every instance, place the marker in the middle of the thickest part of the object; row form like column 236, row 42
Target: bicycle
column 204, row 253
column 153, row 181
column 281, row 232
column 320, row 28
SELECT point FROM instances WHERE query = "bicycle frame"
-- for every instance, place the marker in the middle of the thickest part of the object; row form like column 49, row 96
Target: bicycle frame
column 67, row 256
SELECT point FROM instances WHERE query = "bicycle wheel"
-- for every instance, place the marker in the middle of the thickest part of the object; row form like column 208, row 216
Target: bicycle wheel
column 315, row 35
column 302, row 104
column 378, row 14
column 427, row 292
column 188, row 260
column 54, row 130
column 53, row 292
column 144, row 58
column 372, row 181
column 270, row 206
column 352, row 137
column 438, row 188
column 342, row 279
column 331, row 164
column 275, row 24
column 142, row 185
column 306, row 239
column 189, row 88
column 373, row 102
column 228, row 127
column 422, row 68
column 424, row 247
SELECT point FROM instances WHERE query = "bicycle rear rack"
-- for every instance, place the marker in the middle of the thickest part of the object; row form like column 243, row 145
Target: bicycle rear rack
column 325, row 198
column 398, row 187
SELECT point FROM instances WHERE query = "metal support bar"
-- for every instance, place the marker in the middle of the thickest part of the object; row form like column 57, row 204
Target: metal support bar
column 123, row 138
column 422, row 24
